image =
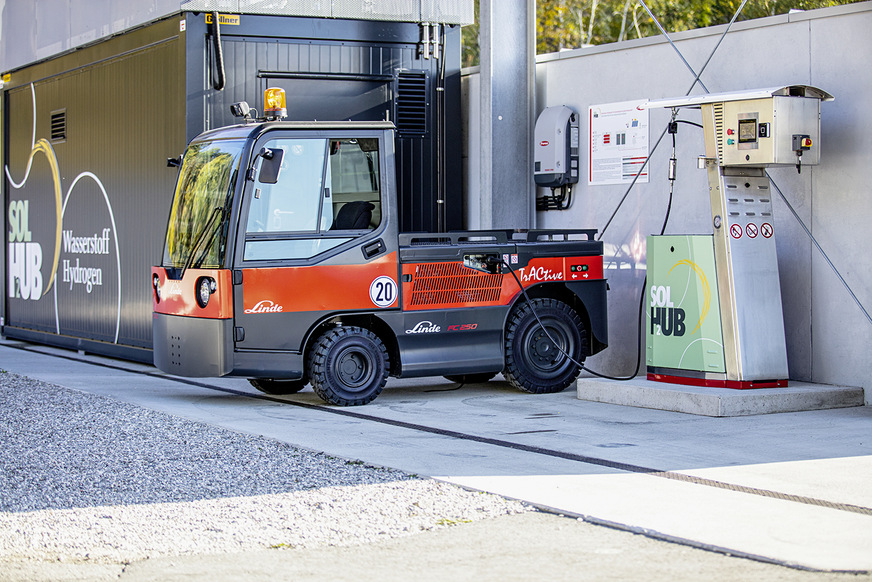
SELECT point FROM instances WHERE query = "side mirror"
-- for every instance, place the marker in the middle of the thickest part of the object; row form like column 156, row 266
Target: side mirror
column 174, row 162
column 270, row 166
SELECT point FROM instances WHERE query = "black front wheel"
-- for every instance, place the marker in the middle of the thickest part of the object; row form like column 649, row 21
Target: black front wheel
column 538, row 360
column 278, row 387
column 348, row 366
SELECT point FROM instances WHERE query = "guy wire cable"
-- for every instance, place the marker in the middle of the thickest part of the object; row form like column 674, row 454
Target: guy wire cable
column 695, row 81
column 818, row 247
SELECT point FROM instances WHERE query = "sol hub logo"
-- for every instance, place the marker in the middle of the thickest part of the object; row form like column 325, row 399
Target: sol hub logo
column 25, row 255
column 666, row 319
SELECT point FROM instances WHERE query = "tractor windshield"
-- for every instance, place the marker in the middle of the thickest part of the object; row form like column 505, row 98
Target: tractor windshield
column 197, row 229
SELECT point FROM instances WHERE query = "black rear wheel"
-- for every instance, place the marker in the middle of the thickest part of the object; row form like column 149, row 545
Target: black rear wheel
column 537, row 359
column 348, row 366
column 278, row 387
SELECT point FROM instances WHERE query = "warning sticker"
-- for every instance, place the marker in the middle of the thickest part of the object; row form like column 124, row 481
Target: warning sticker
column 751, row 230
column 736, row 231
column 766, row 230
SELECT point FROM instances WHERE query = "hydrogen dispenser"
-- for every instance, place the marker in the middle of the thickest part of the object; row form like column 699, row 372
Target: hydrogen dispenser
column 714, row 315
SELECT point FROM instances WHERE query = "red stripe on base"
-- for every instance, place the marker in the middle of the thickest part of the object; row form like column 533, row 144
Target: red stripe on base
column 709, row 383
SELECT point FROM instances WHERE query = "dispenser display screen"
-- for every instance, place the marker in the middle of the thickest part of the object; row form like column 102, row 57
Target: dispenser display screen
column 747, row 130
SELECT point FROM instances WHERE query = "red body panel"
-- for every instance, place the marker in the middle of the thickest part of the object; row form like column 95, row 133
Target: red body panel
column 178, row 297
column 450, row 285
column 317, row 287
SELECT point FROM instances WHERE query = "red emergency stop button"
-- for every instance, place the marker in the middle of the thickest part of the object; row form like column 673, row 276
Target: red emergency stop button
column 801, row 143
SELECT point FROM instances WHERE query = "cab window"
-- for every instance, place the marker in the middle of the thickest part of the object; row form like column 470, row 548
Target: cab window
column 354, row 181
column 291, row 204
column 311, row 196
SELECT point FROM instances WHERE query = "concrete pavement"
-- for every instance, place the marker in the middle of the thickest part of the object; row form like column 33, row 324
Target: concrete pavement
column 531, row 546
column 787, row 488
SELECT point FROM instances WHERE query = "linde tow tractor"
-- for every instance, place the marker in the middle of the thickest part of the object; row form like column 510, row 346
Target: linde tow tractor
column 283, row 263
column 714, row 301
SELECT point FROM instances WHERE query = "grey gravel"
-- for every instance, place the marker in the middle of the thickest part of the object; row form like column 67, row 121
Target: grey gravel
column 88, row 478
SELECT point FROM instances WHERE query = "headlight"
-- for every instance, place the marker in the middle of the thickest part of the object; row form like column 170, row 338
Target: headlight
column 205, row 287
column 155, row 282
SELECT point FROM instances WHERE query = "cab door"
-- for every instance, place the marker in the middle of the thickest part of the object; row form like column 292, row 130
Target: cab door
column 312, row 239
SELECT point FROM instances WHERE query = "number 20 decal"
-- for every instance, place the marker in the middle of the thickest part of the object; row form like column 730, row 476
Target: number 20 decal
column 383, row 291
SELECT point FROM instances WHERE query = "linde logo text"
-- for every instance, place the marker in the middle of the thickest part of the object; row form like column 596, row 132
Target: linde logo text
column 265, row 306
column 424, row 327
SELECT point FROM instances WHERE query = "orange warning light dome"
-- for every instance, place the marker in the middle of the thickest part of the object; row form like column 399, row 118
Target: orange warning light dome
column 274, row 103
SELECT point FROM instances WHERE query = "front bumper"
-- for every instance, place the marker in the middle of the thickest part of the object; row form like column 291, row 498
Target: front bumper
column 192, row 346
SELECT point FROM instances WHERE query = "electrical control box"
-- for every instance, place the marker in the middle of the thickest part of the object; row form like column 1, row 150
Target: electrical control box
column 768, row 132
column 555, row 155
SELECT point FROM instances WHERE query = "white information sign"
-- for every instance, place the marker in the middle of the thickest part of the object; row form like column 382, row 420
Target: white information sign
column 618, row 143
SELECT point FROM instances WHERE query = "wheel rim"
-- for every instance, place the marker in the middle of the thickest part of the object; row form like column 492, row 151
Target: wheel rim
column 542, row 353
column 354, row 368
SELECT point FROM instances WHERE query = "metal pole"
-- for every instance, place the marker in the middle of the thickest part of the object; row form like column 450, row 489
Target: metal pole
column 507, row 45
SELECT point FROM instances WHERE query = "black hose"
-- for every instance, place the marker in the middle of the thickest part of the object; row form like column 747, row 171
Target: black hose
column 220, row 78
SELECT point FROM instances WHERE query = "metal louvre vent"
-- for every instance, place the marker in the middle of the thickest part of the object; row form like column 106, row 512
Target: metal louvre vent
column 58, row 126
column 453, row 284
column 718, row 112
column 411, row 102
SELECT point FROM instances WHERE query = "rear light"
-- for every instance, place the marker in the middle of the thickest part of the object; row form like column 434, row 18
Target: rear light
column 204, row 289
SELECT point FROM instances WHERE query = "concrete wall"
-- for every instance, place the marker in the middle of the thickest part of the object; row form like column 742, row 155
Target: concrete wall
column 828, row 337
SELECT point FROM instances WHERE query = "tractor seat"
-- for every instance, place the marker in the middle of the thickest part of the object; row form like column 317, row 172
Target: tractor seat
column 353, row 216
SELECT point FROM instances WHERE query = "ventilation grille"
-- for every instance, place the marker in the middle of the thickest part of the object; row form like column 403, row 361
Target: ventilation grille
column 718, row 112
column 412, row 102
column 453, row 284
column 58, row 126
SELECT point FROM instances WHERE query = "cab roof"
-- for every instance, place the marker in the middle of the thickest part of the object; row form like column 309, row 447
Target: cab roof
column 246, row 130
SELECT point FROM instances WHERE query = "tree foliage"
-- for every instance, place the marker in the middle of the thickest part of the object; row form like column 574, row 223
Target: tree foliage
column 569, row 24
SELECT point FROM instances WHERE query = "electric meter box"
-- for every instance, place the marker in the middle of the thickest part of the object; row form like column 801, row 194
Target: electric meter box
column 555, row 156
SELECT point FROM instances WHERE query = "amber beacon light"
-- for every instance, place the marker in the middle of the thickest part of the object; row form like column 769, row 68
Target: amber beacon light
column 274, row 103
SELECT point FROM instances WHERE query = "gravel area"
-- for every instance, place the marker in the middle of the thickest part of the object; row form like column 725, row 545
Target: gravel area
column 88, row 478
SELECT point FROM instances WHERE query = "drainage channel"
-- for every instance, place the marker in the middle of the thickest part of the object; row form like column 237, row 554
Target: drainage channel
column 630, row 468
